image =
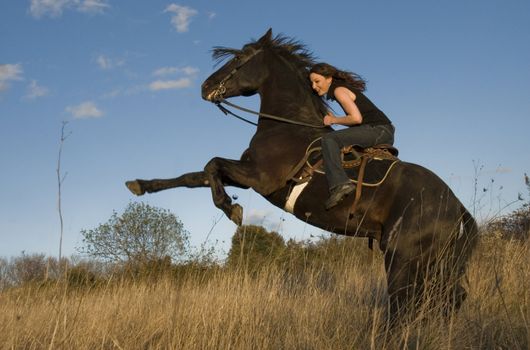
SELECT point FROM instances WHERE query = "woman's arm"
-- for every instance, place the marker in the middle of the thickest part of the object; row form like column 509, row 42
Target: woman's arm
column 346, row 99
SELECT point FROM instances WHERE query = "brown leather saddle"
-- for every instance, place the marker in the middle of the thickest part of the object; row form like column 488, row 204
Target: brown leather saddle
column 364, row 166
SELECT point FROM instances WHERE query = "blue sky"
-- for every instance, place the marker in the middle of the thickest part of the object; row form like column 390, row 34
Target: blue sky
column 454, row 76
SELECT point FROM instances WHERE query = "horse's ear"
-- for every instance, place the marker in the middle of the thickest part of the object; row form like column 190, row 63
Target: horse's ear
column 267, row 37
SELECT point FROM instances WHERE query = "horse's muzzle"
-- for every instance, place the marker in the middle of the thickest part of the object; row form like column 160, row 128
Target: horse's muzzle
column 206, row 92
column 214, row 95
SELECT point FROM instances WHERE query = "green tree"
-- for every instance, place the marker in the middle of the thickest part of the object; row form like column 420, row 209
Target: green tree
column 252, row 246
column 142, row 234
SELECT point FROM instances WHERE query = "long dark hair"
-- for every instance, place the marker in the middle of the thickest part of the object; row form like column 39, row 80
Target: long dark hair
column 327, row 70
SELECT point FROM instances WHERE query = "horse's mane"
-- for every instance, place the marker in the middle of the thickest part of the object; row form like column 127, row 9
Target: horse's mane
column 293, row 51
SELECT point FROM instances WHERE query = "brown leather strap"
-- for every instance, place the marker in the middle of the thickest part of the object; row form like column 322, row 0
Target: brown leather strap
column 298, row 167
column 359, row 188
column 358, row 193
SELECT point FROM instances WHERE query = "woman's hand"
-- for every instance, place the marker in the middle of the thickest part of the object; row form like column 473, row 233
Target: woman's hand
column 329, row 119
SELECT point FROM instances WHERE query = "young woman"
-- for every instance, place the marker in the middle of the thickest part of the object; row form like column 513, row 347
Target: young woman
column 366, row 124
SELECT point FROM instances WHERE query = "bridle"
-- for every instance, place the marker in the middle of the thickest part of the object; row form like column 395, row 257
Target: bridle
column 216, row 96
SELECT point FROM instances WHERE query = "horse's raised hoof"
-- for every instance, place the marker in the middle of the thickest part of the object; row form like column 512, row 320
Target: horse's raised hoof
column 135, row 187
column 237, row 214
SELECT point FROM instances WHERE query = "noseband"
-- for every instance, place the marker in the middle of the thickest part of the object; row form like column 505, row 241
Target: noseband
column 218, row 99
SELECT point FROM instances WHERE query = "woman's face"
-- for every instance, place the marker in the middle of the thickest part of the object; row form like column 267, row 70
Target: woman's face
column 320, row 83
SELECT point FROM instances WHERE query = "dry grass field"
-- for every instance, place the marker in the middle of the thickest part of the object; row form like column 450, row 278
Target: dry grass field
column 337, row 305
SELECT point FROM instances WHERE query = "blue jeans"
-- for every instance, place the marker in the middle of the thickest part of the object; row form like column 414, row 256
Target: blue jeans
column 361, row 135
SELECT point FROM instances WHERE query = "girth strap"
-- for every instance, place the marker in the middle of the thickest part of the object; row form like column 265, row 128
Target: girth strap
column 358, row 192
column 359, row 189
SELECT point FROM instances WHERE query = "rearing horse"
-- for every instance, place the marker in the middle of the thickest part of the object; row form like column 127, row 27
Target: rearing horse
column 424, row 231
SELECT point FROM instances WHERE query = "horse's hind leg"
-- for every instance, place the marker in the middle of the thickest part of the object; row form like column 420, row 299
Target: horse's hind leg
column 461, row 251
column 452, row 273
column 404, row 287
column 140, row 187
column 430, row 282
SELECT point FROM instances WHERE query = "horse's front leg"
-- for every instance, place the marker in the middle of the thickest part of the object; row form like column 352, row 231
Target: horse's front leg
column 220, row 171
column 191, row 180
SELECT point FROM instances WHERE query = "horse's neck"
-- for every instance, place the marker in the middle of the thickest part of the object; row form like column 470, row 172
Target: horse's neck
column 285, row 96
column 289, row 104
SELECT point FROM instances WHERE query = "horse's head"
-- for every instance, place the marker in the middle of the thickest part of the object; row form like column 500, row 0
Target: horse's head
column 242, row 75
column 276, row 68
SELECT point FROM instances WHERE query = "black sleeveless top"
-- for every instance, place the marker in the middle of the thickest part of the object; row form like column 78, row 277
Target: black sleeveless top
column 371, row 114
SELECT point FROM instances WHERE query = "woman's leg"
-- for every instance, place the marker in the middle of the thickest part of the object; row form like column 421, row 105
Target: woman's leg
column 332, row 143
column 362, row 135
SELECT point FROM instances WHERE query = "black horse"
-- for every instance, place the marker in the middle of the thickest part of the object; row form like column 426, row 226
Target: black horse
column 424, row 231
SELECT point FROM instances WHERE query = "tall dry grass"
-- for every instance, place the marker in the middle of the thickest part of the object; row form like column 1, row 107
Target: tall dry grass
column 337, row 305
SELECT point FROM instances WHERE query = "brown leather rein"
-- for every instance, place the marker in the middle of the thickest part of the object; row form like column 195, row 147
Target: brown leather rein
column 226, row 111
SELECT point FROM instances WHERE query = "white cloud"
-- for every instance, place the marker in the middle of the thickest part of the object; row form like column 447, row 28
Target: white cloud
column 503, row 170
column 93, row 6
column 182, row 16
column 260, row 217
column 181, row 83
column 169, row 84
column 113, row 93
column 165, row 71
column 55, row 8
column 188, row 70
column 34, row 90
column 106, row 63
column 84, row 110
column 128, row 91
column 52, row 8
column 211, row 15
column 103, row 62
column 9, row 72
